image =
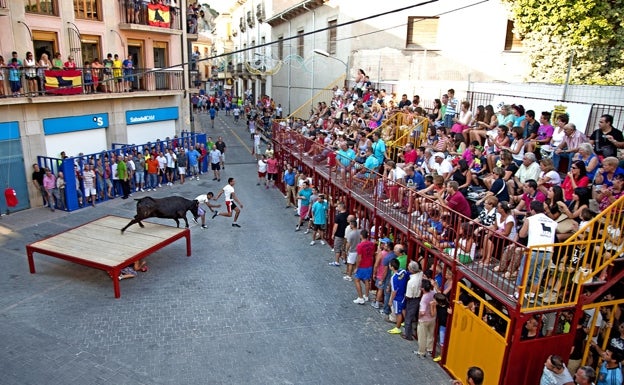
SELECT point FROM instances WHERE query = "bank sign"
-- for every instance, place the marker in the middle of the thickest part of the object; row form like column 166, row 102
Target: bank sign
column 67, row 124
column 152, row 115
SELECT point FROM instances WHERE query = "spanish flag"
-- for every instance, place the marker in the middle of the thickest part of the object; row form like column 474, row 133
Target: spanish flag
column 158, row 15
column 63, row 82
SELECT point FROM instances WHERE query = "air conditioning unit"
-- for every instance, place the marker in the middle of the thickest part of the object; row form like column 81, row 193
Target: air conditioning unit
column 250, row 19
column 242, row 24
column 260, row 15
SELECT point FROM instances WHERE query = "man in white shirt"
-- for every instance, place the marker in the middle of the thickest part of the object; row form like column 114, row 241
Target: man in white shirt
column 540, row 230
column 412, row 298
column 442, row 166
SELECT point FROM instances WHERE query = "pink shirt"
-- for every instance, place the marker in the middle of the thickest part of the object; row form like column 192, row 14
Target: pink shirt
column 49, row 181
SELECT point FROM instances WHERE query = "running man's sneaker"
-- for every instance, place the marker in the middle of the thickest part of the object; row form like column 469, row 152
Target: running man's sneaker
column 215, row 214
column 236, row 225
column 195, row 220
column 204, row 227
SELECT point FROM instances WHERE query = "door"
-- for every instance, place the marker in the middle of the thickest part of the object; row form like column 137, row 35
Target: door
column 160, row 61
column 135, row 48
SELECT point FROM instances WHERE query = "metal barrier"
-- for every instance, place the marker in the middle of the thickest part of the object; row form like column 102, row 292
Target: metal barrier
column 72, row 167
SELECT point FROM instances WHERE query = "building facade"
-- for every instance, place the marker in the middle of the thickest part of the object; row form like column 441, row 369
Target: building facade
column 81, row 108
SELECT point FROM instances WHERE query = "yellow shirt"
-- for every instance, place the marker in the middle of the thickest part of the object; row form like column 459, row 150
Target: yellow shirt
column 117, row 68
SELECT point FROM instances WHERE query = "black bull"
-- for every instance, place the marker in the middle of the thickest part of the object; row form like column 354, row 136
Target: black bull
column 169, row 207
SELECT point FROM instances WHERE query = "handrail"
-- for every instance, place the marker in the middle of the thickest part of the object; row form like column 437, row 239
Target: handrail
column 584, row 258
column 303, row 111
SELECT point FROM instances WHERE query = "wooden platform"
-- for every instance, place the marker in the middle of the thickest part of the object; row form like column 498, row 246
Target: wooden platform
column 101, row 245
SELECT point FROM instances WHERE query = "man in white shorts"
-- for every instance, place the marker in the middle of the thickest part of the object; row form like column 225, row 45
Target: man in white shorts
column 352, row 236
column 205, row 198
column 88, row 178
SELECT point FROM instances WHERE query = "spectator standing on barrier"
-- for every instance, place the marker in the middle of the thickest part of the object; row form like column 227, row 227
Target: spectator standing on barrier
column 231, row 199
column 352, row 236
column 167, row 168
column 475, row 376
column 318, row 217
column 49, row 185
column 426, row 320
column 122, row 175
column 412, row 299
column 363, row 267
column 555, row 372
column 399, row 281
column 289, row 179
column 37, row 180
column 338, row 232
column 540, row 230
column 182, row 164
column 88, row 178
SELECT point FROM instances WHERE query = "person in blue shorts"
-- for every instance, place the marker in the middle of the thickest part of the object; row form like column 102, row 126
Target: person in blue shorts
column 364, row 267
column 397, row 298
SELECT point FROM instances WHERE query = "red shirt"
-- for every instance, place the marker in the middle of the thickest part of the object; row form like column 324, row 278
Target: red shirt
column 567, row 188
column 410, row 157
column 457, row 202
column 366, row 251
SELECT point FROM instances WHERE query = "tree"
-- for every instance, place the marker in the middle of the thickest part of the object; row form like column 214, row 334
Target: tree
column 590, row 30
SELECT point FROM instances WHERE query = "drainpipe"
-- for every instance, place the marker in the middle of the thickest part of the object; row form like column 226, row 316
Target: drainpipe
column 289, row 64
column 313, row 45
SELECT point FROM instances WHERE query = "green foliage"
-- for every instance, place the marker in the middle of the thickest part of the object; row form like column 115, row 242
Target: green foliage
column 554, row 29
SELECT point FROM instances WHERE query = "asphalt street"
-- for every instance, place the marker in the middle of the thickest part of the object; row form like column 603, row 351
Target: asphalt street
column 252, row 305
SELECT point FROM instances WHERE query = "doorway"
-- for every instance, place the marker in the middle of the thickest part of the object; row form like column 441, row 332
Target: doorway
column 135, row 48
column 160, row 61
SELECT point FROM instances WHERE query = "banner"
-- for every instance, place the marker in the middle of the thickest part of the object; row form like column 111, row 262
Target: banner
column 158, row 15
column 63, row 82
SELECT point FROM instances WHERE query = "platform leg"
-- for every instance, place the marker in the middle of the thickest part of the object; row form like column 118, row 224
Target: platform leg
column 115, row 276
column 188, row 243
column 31, row 261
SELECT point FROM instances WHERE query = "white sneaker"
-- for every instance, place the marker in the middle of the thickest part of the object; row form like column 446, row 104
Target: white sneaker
column 307, row 231
column 160, row 185
column 365, row 298
column 322, row 242
column 312, row 243
column 359, row 301
column 347, row 278
column 550, row 298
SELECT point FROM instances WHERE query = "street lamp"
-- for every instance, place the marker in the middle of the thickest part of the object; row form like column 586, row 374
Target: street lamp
column 328, row 55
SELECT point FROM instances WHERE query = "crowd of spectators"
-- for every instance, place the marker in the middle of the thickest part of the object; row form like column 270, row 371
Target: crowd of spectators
column 136, row 169
column 27, row 77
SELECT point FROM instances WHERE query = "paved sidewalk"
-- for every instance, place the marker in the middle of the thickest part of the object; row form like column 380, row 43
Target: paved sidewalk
column 252, row 305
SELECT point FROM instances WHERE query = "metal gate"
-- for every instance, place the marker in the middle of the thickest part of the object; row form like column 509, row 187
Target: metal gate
column 12, row 173
column 473, row 342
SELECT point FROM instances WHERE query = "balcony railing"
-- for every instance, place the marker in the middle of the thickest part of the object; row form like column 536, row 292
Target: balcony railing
column 153, row 15
column 31, row 82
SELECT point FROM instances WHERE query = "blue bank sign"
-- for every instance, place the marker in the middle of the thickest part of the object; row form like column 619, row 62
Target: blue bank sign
column 67, row 124
column 152, row 115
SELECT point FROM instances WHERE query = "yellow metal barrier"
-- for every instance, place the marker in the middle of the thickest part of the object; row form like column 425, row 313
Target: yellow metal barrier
column 469, row 330
column 583, row 258
column 324, row 95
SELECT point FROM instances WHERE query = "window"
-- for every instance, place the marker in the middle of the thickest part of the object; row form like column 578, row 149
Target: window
column 45, row 42
column 513, row 42
column 280, row 47
column 46, row 7
column 300, row 42
column 422, row 32
column 87, row 9
column 90, row 47
column 332, row 35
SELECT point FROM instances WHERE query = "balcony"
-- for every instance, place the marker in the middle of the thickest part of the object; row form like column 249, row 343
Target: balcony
column 156, row 18
column 56, row 84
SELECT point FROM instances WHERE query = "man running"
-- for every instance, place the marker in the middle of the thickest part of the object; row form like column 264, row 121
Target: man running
column 230, row 202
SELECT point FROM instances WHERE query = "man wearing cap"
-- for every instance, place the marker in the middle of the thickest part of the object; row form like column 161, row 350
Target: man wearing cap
column 442, row 166
column 338, row 232
column 412, row 298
